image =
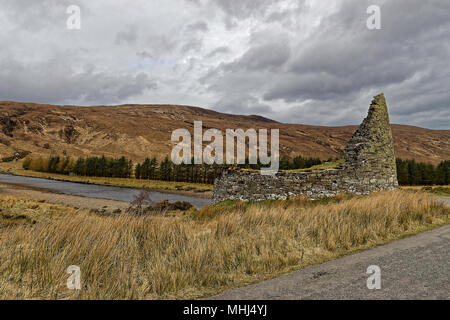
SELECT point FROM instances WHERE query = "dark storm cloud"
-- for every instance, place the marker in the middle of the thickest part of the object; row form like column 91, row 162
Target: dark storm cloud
column 343, row 61
column 159, row 45
column 345, row 58
column 296, row 61
column 263, row 56
column 55, row 82
column 145, row 55
column 128, row 36
column 245, row 104
column 193, row 37
column 193, row 44
column 218, row 51
column 237, row 9
column 198, row 26
column 243, row 9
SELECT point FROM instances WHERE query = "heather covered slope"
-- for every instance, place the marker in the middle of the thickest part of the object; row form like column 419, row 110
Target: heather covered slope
column 137, row 131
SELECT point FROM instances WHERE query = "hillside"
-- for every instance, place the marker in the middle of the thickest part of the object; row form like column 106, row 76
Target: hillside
column 137, row 131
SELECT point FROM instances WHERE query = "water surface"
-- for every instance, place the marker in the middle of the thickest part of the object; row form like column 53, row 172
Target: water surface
column 96, row 191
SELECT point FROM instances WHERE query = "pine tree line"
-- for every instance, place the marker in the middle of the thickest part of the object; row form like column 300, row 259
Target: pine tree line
column 90, row 167
column 409, row 172
column 166, row 170
column 150, row 169
column 412, row 173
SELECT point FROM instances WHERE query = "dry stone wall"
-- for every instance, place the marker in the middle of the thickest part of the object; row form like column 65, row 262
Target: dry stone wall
column 369, row 166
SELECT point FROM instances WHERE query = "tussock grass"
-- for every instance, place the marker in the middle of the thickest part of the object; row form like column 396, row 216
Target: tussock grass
column 443, row 191
column 15, row 211
column 198, row 253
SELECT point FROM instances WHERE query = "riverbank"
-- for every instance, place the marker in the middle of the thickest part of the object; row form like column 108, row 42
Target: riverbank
column 76, row 202
column 97, row 191
column 183, row 188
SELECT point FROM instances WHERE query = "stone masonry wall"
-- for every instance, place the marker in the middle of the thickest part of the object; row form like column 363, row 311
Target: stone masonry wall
column 369, row 166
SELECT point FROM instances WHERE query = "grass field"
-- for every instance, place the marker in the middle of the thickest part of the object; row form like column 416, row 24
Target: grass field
column 193, row 254
column 16, row 168
column 436, row 190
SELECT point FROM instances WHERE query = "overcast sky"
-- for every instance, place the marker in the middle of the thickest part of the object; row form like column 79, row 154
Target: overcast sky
column 299, row 61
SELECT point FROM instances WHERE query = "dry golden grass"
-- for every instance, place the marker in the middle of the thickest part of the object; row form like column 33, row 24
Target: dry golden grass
column 436, row 190
column 197, row 253
column 14, row 211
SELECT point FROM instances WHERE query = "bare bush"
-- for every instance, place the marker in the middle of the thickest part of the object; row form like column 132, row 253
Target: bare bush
column 141, row 203
column 144, row 205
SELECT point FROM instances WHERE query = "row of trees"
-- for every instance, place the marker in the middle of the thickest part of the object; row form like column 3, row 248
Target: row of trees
column 150, row 169
column 166, row 170
column 412, row 173
column 91, row 167
column 409, row 172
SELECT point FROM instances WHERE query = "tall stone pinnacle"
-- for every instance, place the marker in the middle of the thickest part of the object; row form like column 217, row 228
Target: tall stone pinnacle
column 370, row 152
column 369, row 166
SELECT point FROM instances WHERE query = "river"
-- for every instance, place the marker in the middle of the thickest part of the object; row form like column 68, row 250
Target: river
column 97, row 191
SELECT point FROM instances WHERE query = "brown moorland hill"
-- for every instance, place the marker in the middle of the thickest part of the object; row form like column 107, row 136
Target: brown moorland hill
column 138, row 131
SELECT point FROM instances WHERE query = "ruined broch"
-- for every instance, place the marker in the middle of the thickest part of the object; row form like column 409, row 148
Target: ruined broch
column 369, row 166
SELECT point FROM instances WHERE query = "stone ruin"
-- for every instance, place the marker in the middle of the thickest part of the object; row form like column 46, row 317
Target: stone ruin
column 369, row 166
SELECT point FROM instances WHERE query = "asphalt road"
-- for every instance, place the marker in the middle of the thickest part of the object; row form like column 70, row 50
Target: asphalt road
column 416, row 267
